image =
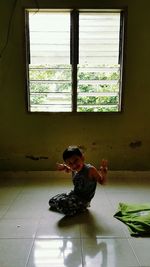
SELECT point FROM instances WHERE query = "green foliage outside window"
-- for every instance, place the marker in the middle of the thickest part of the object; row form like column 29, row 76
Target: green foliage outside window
column 45, row 80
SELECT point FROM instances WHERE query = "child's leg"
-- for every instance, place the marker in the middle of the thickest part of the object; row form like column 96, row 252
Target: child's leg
column 74, row 205
column 64, row 203
column 55, row 201
column 67, row 204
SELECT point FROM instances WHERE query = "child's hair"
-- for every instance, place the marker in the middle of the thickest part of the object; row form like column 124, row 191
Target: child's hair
column 71, row 151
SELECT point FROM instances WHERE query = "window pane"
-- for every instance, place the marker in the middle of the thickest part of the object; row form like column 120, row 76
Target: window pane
column 49, row 68
column 98, row 69
column 50, row 101
column 49, row 37
column 99, row 38
column 50, row 88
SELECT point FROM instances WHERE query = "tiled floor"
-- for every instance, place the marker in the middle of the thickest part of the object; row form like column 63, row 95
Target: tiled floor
column 33, row 236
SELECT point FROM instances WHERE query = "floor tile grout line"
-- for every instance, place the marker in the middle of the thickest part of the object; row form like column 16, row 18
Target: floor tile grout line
column 38, row 223
column 81, row 245
column 19, row 193
column 17, row 238
column 27, row 261
column 82, row 256
column 111, row 206
column 129, row 240
column 2, row 217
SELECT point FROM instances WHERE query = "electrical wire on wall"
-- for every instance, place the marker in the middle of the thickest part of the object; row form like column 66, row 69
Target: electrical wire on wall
column 9, row 25
column 37, row 5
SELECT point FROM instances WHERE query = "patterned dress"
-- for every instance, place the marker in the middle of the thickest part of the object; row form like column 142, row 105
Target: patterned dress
column 79, row 198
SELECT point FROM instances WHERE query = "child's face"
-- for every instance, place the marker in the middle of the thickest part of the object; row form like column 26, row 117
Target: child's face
column 75, row 163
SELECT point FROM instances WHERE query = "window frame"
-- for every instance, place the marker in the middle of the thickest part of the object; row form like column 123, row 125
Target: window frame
column 75, row 54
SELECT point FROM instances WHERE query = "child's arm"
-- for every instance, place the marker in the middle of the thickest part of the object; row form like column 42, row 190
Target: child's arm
column 100, row 175
column 63, row 167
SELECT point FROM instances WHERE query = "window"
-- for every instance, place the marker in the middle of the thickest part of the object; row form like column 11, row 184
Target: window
column 74, row 60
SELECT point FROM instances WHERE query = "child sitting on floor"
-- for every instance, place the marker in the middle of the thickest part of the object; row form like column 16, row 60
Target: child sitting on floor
column 85, row 178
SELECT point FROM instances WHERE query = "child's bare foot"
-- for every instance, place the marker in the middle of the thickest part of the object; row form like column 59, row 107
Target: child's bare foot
column 103, row 170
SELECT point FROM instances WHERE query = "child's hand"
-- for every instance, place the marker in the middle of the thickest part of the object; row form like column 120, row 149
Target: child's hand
column 62, row 167
column 104, row 165
column 103, row 171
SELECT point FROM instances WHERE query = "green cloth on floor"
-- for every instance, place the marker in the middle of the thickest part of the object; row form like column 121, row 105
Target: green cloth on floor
column 136, row 217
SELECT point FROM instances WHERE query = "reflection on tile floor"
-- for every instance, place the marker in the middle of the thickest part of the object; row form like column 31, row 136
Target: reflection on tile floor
column 33, row 236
